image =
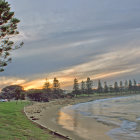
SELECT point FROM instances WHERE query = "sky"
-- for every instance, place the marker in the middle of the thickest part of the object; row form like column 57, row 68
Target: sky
column 71, row 39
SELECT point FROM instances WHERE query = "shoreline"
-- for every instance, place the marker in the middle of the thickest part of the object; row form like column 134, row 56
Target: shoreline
column 52, row 132
column 45, row 115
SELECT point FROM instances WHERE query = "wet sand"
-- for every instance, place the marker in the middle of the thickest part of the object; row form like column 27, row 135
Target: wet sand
column 46, row 115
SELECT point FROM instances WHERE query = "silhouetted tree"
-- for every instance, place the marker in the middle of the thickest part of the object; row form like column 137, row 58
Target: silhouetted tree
column 76, row 87
column 130, row 87
column 126, row 85
column 116, row 87
column 105, row 87
column 8, row 29
column 83, row 87
column 47, row 85
column 18, row 93
column 12, row 92
column 135, row 86
column 56, row 86
column 35, row 94
column 88, row 86
column 100, row 88
column 111, row 88
column 121, row 86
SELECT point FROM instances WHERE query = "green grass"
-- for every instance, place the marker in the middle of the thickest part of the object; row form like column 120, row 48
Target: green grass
column 107, row 94
column 15, row 126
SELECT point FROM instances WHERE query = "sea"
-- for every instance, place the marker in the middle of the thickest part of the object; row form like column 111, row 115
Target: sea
column 120, row 114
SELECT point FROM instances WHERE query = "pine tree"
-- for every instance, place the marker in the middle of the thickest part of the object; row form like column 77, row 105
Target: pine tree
column 105, row 87
column 88, row 86
column 83, row 87
column 130, row 86
column 47, row 85
column 100, row 88
column 56, row 85
column 8, row 29
column 121, row 86
column 135, row 86
column 111, row 88
column 116, row 87
column 126, row 85
column 76, row 87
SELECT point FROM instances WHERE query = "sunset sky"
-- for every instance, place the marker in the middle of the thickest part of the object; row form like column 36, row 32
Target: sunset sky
column 75, row 38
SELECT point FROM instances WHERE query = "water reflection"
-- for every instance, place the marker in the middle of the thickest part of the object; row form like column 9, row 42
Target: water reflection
column 92, row 119
column 66, row 120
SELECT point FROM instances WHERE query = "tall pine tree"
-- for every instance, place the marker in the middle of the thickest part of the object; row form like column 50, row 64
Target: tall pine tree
column 56, row 86
column 47, row 85
column 76, row 87
column 83, row 87
column 100, row 88
column 135, row 86
column 105, row 87
column 8, row 29
column 126, row 85
column 130, row 87
column 116, row 87
column 121, row 86
column 88, row 86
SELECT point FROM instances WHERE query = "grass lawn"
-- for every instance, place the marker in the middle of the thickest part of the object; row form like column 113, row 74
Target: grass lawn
column 15, row 126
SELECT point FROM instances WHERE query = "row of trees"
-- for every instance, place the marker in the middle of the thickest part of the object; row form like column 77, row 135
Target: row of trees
column 48, row 92
column 126, row 86
column 53, row 91
column 55, row 87
column 86, row 87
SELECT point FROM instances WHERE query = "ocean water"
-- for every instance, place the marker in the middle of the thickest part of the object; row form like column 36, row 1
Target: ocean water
column 120, row 116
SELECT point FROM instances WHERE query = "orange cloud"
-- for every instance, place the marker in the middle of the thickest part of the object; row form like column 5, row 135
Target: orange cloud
column 104, row 66
column 67, row 81
column 35, row 84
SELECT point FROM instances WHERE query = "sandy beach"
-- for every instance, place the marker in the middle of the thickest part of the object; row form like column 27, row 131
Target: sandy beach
column 46, row 115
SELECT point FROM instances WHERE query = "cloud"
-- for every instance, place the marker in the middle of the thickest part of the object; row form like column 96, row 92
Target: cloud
column 6, row 81
column 35, row 84
column 67, row 40
column 51, row 49
column 103, row 66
